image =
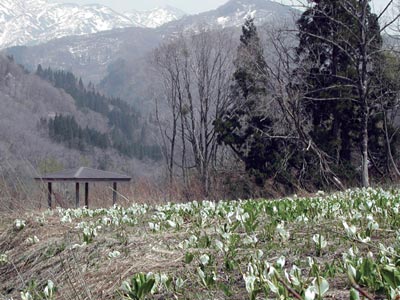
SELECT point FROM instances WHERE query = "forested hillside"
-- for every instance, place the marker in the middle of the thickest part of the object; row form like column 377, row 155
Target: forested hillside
column 127, row 127
column 45, row 128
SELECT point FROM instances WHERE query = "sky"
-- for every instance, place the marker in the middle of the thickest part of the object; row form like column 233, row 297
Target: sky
column 189, row 6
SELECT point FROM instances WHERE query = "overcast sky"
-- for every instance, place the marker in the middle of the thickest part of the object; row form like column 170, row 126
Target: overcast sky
column 189, row 6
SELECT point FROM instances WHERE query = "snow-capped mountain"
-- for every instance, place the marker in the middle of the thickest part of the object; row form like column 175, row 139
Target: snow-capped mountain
column 29, row 22
column 234, row 12
column 93, row 55
column 117, row 59
column 155, row 17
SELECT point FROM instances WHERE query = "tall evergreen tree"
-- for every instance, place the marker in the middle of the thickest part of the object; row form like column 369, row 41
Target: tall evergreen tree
column 246, row 126
column 339, row 54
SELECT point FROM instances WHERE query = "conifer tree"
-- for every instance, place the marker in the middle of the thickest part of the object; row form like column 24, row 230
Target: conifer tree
column 246, row 126
column 339, row 52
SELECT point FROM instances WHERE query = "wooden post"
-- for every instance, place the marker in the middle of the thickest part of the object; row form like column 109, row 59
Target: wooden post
column 49, row 194
column 114, row 193
column 87, row 194
column 77, row 194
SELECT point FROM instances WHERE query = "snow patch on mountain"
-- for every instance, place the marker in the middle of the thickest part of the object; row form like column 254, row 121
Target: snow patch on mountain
column 222, row 20
column 233, row 14
column 155, row 17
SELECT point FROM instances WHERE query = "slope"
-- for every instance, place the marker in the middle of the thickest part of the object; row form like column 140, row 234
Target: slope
column 155, row 17
column 88, row 56
column 336, row 246
column 119, row 58
column 25, row 144
column 29, row 22
column 234, row 12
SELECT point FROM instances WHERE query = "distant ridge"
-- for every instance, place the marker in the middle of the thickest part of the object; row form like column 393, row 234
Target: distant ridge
column 234, row 12
column 155, row 17
column 117, row 59
column 30, row 22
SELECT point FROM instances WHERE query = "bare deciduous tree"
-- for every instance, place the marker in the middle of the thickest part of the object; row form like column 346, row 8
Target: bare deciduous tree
column 196, row 71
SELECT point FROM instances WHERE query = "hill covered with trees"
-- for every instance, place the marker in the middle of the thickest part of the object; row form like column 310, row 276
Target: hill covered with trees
column 127, row 128
column 43, row 129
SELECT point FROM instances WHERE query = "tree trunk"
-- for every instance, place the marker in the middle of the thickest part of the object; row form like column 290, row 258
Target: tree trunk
column 364, row 148
column 363, row 83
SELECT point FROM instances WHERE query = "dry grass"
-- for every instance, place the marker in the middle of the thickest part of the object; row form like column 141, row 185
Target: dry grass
column 88, row 273
column 83, row 272
column 21, row 193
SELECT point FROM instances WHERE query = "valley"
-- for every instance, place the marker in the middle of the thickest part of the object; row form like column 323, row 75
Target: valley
column 259, row 146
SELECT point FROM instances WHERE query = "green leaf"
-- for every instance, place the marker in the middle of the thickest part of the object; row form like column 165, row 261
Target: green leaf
column 354, row 295
column 188, row 257
column 146, row 287
column 168, row 283
column 391, row 276
column 229, row 264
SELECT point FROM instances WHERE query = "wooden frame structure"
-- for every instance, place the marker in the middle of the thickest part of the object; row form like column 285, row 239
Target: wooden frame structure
column 82, row 175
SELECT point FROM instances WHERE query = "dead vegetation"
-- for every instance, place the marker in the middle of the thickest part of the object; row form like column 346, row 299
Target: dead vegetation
column 222, row 239
column 80, row 272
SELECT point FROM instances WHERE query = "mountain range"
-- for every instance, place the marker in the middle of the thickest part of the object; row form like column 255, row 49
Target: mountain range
column 92, row 55
column 117, row 60
column 234, row 12
column 111, row 50
column 30, row 22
